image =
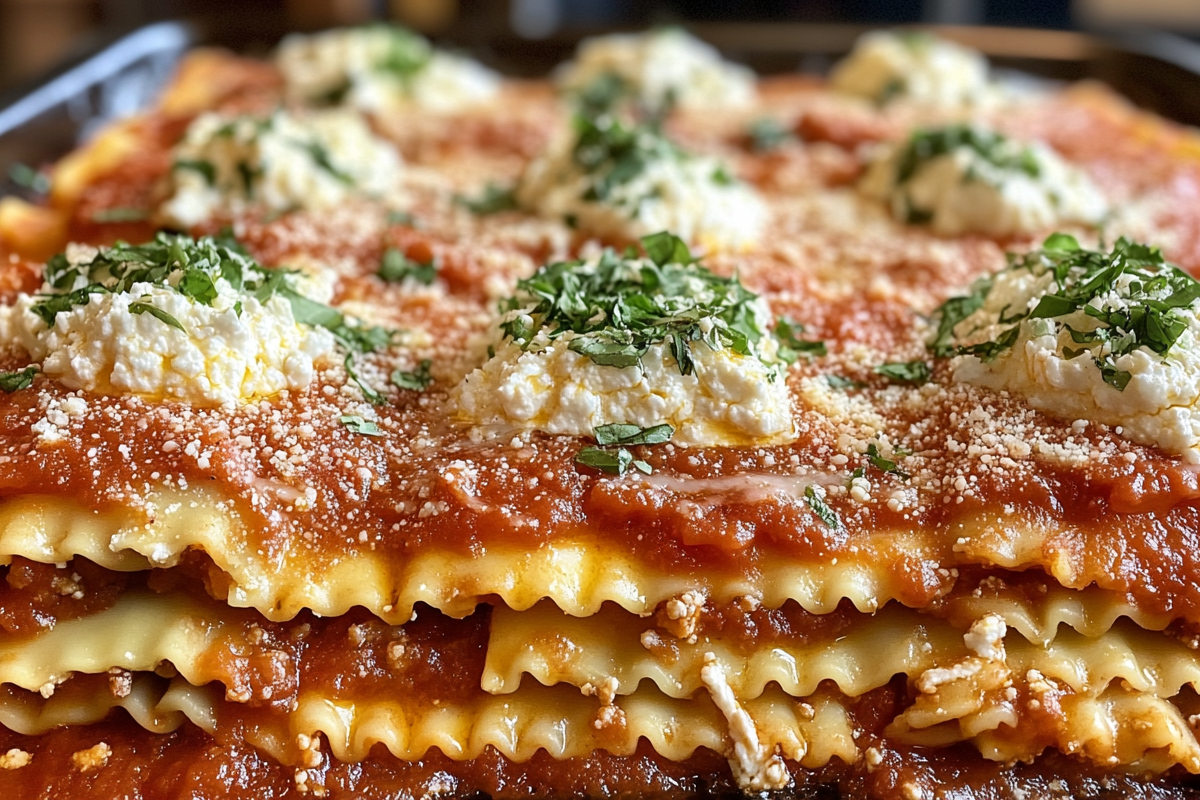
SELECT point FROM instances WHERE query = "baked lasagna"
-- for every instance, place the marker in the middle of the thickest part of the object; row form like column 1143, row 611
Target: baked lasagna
column 374, row 425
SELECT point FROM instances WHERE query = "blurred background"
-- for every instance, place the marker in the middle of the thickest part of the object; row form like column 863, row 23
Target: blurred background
column 36, row 34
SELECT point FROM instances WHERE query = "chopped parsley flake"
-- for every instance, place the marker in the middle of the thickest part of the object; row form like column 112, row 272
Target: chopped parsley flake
column 916, row 373
column 618, row 462
column 816, row 501
column 29, row 178
column 842, row 383
column 925, row 145
column 768, row 134
column 15, row 381
column 791, row 346
column 1109, row 302
column 613, row 154
column 615, row 308
column 417, row 380
column 876, row 460
column 356, row 424
column 397, row 267
column 495, row 198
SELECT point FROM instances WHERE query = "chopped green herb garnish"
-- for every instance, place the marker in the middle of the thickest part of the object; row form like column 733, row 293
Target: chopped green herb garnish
column 495, row 198
column 917, row 373
column 614, row 308
column 882, row 464
column 191, row 268
column 145, row 307
column 321, row 157
column 15, row 381
column 120, row 215
column 397, row 267
column 614, row 462
column 401, row 218
column 407, row 54
column 613, row 154
column 418, row 380
column 992, row 147
column 356, row 424
column 817, row 503
column 205, row 168
column 791, row 346
column 1115, row 302
column 29, row 178
column 767, row 134
column 845, row 384
column 619, row 433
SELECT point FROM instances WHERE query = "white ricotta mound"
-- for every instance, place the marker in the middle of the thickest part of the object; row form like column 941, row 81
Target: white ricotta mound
column 281, row 162
column 730, row 399
column 381, row 68
column 913, row 66
column 688, row 195
column 1031, row 190
column 1160, row 405
column 661, row 65
column 221, row 356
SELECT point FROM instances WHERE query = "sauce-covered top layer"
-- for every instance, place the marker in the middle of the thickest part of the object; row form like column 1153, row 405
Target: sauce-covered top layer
column 938, row 474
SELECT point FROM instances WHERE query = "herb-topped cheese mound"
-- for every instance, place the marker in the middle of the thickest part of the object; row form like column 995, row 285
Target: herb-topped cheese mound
column 177, row 319
column 643, row 342
column 381, row 68
column 886, row 66
column 278, row 163
column 624, row 181
column 660, row 68
column 1108, row 336
column 962, row 179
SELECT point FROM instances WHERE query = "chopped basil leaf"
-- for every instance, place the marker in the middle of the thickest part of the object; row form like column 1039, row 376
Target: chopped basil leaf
column 791, row 346
column 618, row 433
column 357, row 424
column 321, row 157
column 396, row 267
column 143, row 307
column 615, row 308
column 15, row 381
column 205, row 168
column 928, row 144
column 1130, row 295
column 885, row 464
column 495, row 198
column 613, row 462
column 914, row 372
column 401, row 218
column 407, row 54
column 29, row 178
column 612, row 154
column 417, row 380
column 817, row 503
column 845, row 384
column 120, row 215
column 373, row 397
column 767, row 134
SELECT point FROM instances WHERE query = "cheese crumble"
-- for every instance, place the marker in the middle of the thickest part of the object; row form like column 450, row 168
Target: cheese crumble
column 624, row 182
column 886, row 66
column 1081, row 335
column 660, row 68
column 962, row 179
column 153, row 340
column 381, row 68
column 278, row 163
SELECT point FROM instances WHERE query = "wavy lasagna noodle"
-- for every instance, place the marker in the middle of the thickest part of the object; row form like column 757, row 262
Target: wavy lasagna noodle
column 358, row 584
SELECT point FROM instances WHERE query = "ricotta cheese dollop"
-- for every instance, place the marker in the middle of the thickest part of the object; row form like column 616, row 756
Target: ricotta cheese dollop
column 280, row 162
column 381, row 68
column 692, row 351
column 660, row 68
column 622, row 182
column 887, row 66
column 962, row 179
column 161, row 330
column 1111, row 337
